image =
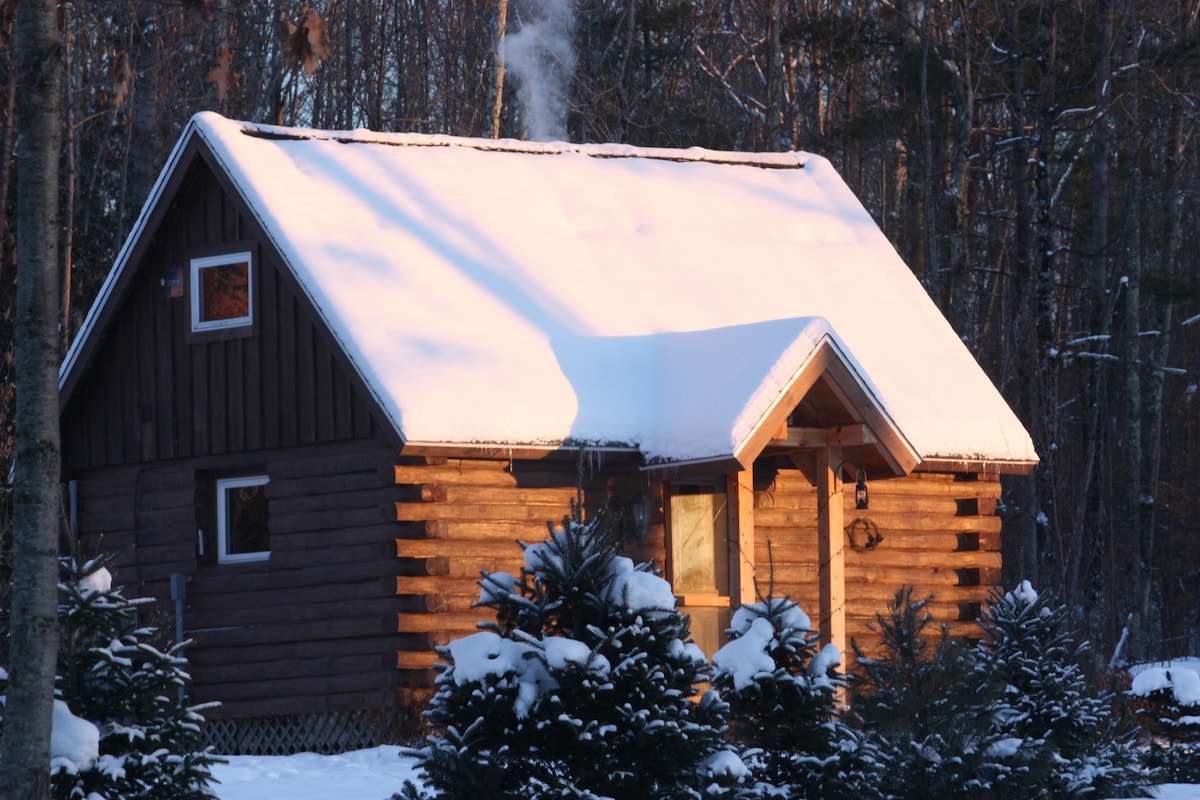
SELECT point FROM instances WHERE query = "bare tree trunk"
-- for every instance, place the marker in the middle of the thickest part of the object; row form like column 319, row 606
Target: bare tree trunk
column 497, row 83
column 933, row 276
column 6, row 161
column 1173, row 210
column 1131, row 414
column 1024, row 561
column 25, row 768
column 775, row 80
column 145, row 131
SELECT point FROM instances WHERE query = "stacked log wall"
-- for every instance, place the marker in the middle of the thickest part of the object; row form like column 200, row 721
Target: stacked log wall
column 464, row 516
column 934, row 532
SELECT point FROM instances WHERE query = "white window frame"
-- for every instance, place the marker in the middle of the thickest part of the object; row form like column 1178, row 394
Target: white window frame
column 223, row 486
column 223, row 260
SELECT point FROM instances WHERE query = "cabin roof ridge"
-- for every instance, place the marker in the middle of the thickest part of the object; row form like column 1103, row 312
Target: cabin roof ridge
column 793, row 159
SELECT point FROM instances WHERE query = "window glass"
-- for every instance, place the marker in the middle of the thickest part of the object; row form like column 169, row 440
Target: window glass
column 221, row 291
column 699, row 540
column 242, row 519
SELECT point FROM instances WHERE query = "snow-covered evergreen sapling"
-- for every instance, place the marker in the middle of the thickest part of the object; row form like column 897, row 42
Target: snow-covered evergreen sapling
column 112, row 674
column 782, row 693
column 579, row 689
column 1168, row 705
column 1051, row 718
column 922, row 700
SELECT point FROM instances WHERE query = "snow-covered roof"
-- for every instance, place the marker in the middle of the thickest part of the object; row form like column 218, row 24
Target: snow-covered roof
column 513, row 293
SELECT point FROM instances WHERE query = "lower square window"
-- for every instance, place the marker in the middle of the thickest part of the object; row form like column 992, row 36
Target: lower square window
column 242, row 533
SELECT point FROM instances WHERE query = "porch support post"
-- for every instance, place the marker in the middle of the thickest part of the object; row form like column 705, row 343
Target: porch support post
column 740, row 492
column 831, row 549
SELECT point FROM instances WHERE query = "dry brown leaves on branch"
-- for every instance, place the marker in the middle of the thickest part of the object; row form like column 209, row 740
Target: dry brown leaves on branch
column 221, row 74
column 307, row 42
column 121, row 77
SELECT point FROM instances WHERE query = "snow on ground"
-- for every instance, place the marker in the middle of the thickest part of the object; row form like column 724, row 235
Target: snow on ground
column 373, row 775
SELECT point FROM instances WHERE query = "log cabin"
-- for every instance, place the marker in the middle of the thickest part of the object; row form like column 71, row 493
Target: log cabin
column 332, row 376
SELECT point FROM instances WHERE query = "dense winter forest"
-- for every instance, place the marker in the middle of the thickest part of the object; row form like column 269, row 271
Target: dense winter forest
column 1034, row 161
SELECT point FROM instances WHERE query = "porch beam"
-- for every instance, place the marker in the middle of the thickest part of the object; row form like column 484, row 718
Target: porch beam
column 831, row 549
column 856, row 435
column 740, row 493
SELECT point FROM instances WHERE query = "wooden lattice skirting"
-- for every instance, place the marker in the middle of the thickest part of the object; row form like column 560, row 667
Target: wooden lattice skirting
column 307, row 733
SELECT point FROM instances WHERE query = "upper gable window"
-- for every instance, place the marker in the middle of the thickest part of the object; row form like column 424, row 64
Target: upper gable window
column 222, row 292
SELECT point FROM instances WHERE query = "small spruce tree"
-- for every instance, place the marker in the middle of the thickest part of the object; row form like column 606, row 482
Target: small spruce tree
column 782, row 693
column 581, row 688
column 1069, row 740
column 112, row 674
column 922, row 700
column 1168, row 707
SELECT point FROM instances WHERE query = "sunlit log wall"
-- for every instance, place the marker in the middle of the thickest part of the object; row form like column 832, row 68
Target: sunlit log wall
column 935, row 532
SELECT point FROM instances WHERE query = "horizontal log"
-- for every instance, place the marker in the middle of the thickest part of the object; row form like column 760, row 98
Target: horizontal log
column 450, row 621
column 457, row 548
column 285, row 652
column 416, row 659
column 467, row 569
column 892, row 576
column 330, row 519
column 319, row 500
column 560, row 496
column 502, row 512
column 765, row 519
column 437, row 565
column 284, row 633
column 328, row 459
column 231, row 579
column 446, row 585
column 899, row 504
column 495, row 474
column 918, row 559
column 783, row 548
column 268, row 600
column 287, row 706
column 871, row 594
column 338, row 669
column 329, row 484
column 322, row 694
column 207, row 617
column 527, row 531
column 296, row 551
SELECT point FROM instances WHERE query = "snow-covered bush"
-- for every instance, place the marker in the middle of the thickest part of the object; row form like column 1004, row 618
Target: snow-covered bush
column 1055, row 724
column 781, row 693
column 1168, row 704
column 580, row 689
column 1010, row 718
column 122, row 729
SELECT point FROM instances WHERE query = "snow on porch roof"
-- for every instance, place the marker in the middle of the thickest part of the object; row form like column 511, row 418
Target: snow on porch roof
column 512, row 293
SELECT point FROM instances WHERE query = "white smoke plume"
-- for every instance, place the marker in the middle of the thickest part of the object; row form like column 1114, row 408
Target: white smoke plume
column 541, row 57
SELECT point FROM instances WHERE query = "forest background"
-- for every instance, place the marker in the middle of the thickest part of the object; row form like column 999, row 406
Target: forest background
column 1035, row 162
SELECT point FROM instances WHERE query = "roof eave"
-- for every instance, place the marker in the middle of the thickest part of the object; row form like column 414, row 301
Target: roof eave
column 978, row 465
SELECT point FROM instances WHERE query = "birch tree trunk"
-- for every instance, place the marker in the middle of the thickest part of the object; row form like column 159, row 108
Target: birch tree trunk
column 496, row 85
column 25, row 768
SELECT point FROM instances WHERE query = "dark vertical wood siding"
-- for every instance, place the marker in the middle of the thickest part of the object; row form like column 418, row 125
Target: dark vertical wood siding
column 160, row 412
column 154, row 392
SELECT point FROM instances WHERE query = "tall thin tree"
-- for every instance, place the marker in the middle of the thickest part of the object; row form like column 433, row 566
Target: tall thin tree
column 25, row 768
